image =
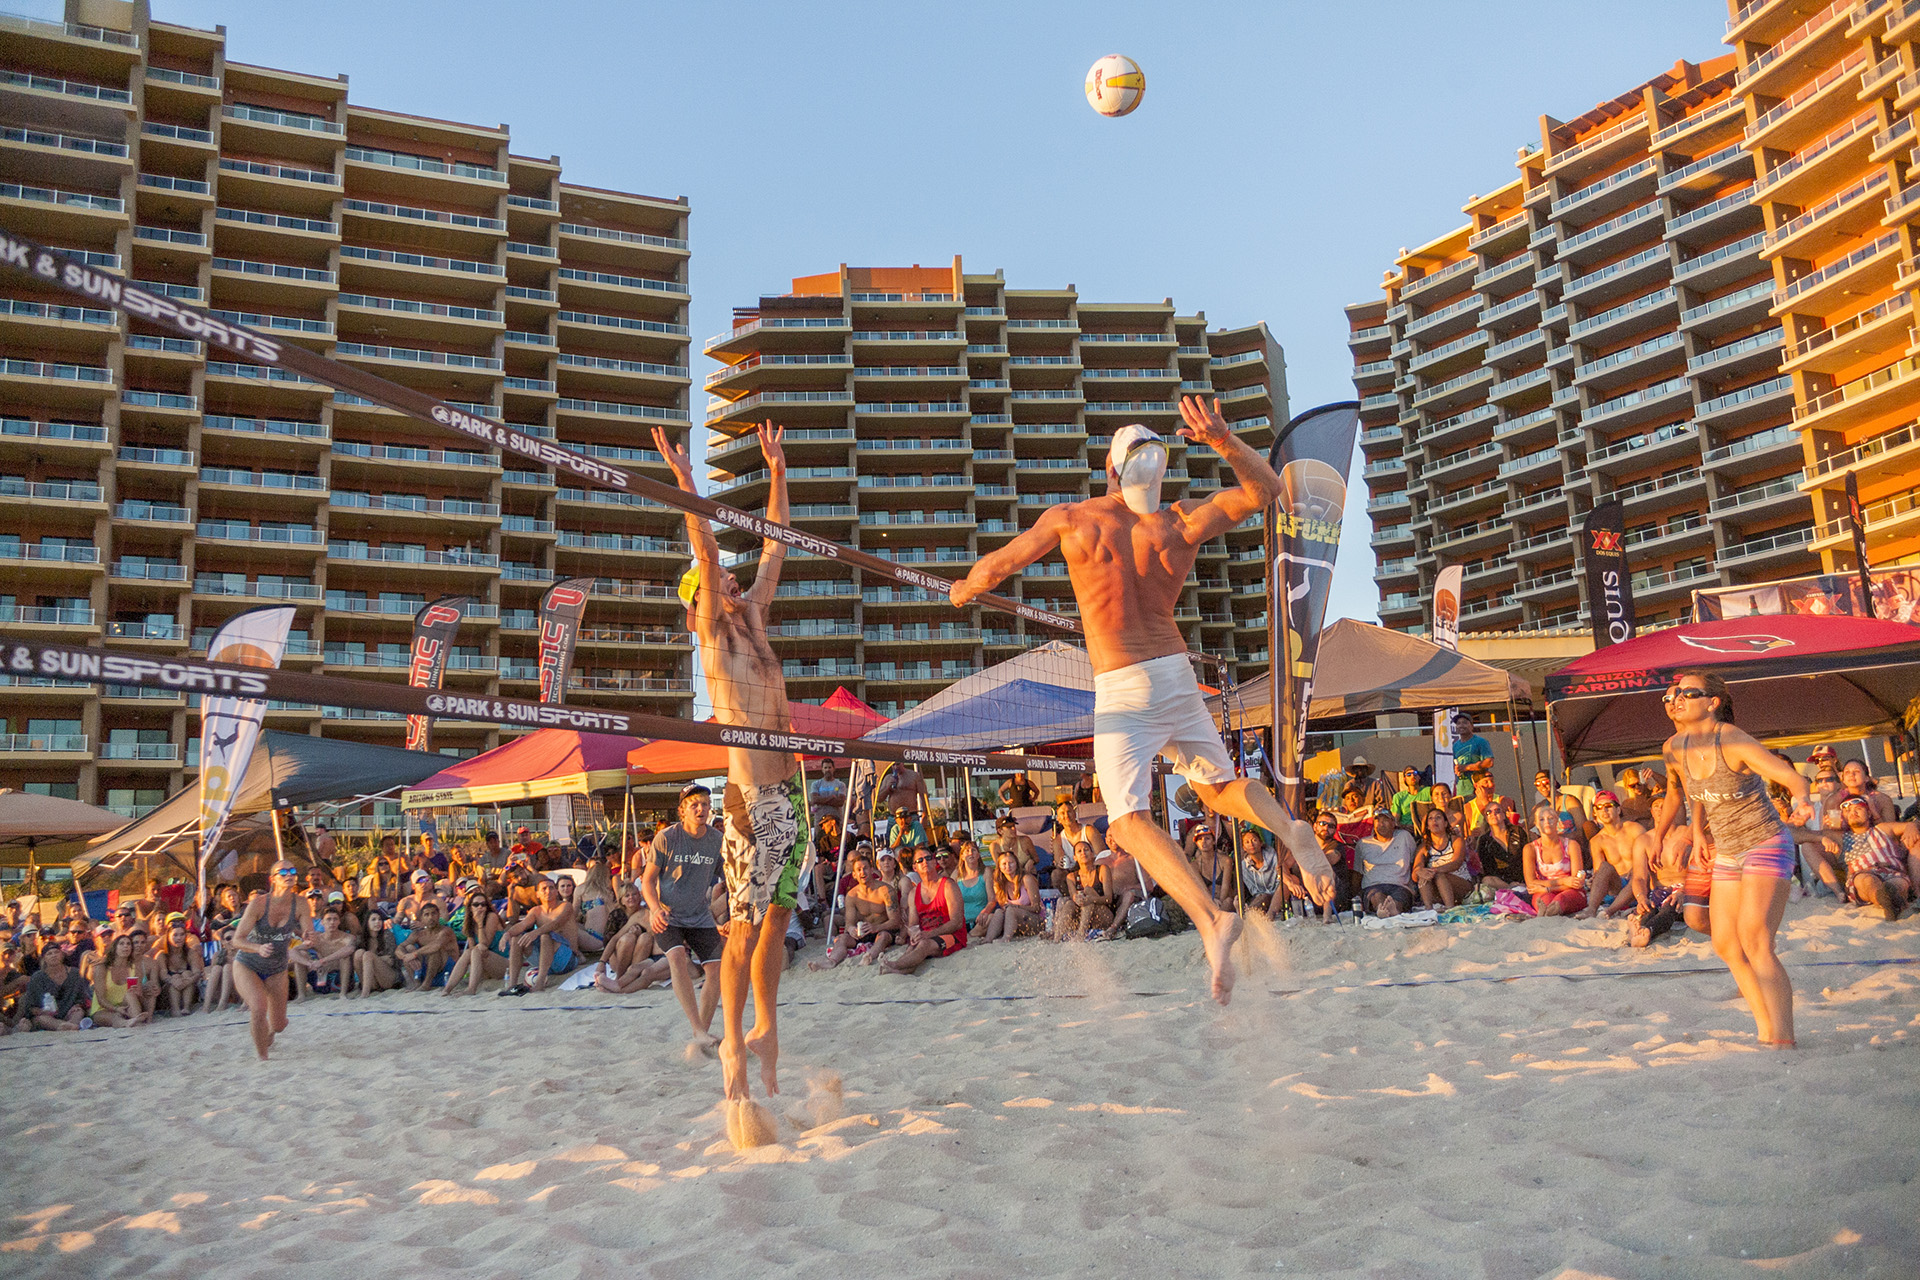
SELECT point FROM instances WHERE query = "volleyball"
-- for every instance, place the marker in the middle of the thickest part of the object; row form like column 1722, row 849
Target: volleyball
column 1115, row 85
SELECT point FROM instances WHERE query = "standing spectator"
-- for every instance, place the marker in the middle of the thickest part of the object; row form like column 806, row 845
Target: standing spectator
column 1018, row 792
column 678, row 885
column 1385, row 861
column 1554, row 868
column 57, row 998
column 1086, row 788
column 828, row 794
column 1359, row 773
column 1472, row 754
column 323, row 844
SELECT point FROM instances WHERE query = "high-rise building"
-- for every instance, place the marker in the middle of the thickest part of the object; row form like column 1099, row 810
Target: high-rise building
column 1695, row 298
column 1599, row 329
column 150, row 488
column 932, row 415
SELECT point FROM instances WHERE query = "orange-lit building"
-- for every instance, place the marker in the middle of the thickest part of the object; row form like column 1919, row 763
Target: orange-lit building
column 150, row 488
column 931, row 415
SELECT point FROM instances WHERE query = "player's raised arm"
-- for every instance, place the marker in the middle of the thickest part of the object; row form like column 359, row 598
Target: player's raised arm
column 996, row 566
column 706, row 552
column 773, row 552
column 1258, row 486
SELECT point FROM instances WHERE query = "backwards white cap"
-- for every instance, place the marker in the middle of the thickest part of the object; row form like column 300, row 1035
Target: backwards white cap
column 1138, row 456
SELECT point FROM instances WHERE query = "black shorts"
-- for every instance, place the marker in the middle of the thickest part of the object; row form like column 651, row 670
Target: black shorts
column 1401, row 895
column 703, row 941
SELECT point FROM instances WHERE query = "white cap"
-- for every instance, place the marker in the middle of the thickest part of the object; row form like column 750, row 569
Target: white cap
column 1137, row 457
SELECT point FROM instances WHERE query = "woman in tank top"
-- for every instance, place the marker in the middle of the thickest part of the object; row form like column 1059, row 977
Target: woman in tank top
column 260, row 938
column 1726, row 774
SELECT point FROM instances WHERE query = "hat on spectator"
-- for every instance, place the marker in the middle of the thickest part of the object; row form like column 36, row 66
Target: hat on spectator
column 1823, row 752
column 336, row 896
column 1382, row 811
column 419, row 876
column 1859, row 800
column 1359, row 762
column 1606, row 797
column 523, row 831
column 173, row 916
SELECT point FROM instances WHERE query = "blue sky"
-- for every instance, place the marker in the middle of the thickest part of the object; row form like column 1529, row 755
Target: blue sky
column 1284, row 151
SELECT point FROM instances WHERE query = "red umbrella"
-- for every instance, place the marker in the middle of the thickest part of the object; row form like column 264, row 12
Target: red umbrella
column 1793, row 679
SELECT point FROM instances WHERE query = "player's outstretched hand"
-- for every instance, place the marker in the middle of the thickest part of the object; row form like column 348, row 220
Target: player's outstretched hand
column 770, row 438
column 676, row 456
column 1204, row 423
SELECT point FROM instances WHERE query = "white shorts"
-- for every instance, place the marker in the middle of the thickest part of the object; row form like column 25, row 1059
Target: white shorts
column 1145, row 710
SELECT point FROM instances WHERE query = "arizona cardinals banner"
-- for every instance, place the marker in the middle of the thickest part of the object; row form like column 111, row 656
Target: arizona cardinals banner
column 560, row 612
column 1858, row 519
column 1312, row 453
column 230, row 726
column 224, row 679
column 434, row 628
column 1446, row 634
column 1609, row 586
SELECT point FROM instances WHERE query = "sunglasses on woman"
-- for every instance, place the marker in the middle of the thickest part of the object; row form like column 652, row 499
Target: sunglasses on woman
column 288, row 874
column 1679, row 695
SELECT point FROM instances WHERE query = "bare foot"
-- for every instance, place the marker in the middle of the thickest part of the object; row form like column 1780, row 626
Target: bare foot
column 1220, row 938
column 1638, row 935
column 750, row 1125
column 1593, row 909
column 1552, row 909
column 733, row 1072
column 703, row 1043
column 764, row 1044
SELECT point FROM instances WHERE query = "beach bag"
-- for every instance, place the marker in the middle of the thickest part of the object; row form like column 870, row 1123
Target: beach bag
column 1147, row 920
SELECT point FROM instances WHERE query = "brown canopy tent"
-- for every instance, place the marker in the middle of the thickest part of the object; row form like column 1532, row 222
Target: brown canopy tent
column 1366, row 670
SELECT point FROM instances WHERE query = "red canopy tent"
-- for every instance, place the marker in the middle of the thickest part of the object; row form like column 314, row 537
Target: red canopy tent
column 841, row 716
column 1794, row 679
column 548, row 762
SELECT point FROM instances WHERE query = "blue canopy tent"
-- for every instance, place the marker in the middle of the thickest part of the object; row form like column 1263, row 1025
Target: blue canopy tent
column 1044, row 695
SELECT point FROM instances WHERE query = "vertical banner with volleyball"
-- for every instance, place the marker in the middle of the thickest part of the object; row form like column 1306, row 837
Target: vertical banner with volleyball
column 560, row 612
column 434, row 628
column 1312, row 453
column 1609, row 584
column 230, row 727
column 1446, row 634
column 1858, row 519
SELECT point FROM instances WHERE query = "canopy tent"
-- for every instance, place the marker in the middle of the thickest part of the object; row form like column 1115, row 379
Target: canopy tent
column 286, row 769
column 1794, row 679
column 1044, row 695
column 1366, row 670
column 842, row 715
column 25, row 817
column 547, row 762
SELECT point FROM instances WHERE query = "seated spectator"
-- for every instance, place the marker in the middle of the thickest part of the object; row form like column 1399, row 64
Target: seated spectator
column 1826, row 787
column 522, row 890
column 1339, row 856
column 935, row 927
column 976, row 886
column 379, row 961
column 1410, row 795
column 57, row 998
column 631, row 961
column 1499, row 847
column 1203, row 852
column 595, row 905
column 1876, row 866
column 540, row 933
column 874, row 918
column 429, row 951
column 888, row 863
column 13, row 983
column 1636, row 801
column 407, row 910
column 1554, row 868
column 1385, row 860
column 1007, row 836
column 907, row 831
column 1017, row 911
column 1085, row 907
column 1858, row 782
column 1485, row 799
column 1126, row 882
column 1259, row 872
column 1543, row 788
column 1657, row 890
column 180, row 966
column 1441, row 870
column 325, row 960
column 352, row 910
column 483, row 948
column 1440, row 796
column 219, row 972
column 1613, row 855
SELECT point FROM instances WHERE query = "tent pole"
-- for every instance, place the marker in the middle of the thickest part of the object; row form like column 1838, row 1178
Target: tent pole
column 966, row 777
column 840, row 861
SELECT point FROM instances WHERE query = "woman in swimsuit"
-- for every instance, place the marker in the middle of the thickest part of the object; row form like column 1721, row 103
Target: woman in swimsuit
column 116, row 987
column 595, row 904
column 376, row 962
column 976, row 888
column 629, row 964
column 1726, row 774
column 484, row 950
column 1553, row 867
column 1085, row 907
column 180, row 966
column 271, row 921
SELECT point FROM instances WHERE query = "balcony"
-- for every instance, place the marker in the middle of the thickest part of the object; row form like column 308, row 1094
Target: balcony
column 1650, row 401
column 1672, row 440
column 1655, row 583
column 1729, row 312
column 1660, row 489
column 1762, row 450
column 1844, row 214
column 1794, row 542
column 1884, row 454
column 1887, row 518
column 1854, row 401
column 1747, row 404
column 1617, row 138
column 1642, row 311
column 1599, row 237
column 420, row 164
column 1761, row 500
column 1622, row 188
column 1625, row 365
column 1806, row 292
column 1757, row 350
column 44, row 744
column 292, row 535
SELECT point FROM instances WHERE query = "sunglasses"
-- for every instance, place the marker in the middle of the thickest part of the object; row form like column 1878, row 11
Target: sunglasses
column 1680, row 695
column 288, row 874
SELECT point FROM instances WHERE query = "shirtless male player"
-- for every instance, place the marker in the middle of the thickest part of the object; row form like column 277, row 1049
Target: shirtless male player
column 1127, row 557
column 766, row 824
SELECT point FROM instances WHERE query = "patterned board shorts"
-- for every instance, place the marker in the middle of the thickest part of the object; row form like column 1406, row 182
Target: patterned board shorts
column 763, row 870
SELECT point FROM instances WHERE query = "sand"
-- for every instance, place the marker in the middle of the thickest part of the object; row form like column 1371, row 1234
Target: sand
column 1598, row 1125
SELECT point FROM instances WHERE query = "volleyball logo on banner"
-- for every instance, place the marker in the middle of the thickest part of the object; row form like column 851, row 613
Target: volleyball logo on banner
column 434, row 628
column 230, row 727
column 1312, row 453
column 560, row 612
column 1446, row 634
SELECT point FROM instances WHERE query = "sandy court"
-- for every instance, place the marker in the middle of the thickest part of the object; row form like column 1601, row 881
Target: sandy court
column 1557, row 1127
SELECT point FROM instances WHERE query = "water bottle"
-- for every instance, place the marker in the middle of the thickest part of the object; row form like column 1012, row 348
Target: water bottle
column 1359, row 910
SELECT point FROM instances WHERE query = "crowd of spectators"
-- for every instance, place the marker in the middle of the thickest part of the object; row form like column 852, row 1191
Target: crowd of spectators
column 460, row 914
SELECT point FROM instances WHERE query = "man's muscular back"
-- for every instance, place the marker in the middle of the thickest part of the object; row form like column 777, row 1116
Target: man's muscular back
column 1127, row 572
column 744, row 680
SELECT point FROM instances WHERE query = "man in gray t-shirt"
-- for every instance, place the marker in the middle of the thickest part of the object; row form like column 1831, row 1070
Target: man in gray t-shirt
column 677, row 884
column 1385, row 861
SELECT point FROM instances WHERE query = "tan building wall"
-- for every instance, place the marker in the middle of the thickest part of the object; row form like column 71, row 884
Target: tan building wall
column 150, row 488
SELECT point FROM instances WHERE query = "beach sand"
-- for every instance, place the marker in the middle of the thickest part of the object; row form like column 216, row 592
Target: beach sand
column 1578, row 1121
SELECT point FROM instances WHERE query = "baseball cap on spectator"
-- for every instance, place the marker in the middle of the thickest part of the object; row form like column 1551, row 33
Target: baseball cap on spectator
column 1823, row 752
column 174, row 917
column 336, row 896
column 1382, row 811
column 1606, row 797
column 422, row 877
